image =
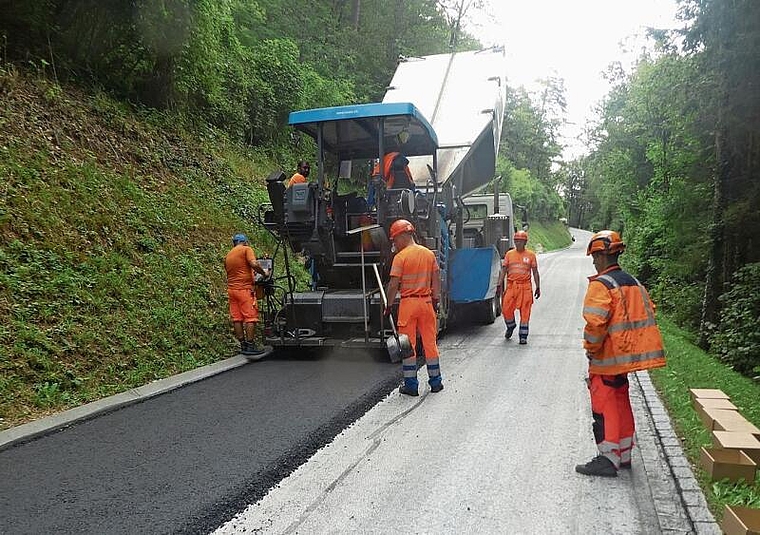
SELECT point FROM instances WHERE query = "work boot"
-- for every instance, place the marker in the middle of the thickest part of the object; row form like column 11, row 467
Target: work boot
column 250, row 349
column 598, row 466
column 509, row 332
column 436, row 387
column 408, row 390
column 523, row 341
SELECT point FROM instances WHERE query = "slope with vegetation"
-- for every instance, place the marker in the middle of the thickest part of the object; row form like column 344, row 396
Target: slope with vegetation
column 113, row 229
column 133, row 142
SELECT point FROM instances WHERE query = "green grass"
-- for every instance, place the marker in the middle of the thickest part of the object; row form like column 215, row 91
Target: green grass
column 690, row 367
column 112, row 235
column 548, row 236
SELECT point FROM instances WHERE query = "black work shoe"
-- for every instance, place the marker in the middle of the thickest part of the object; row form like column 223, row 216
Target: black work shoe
column 625, row 466
column 509, row 332
column 598, row 466
column 409, row 391
column 523, row 341
column 250, row 349
column 436, row 388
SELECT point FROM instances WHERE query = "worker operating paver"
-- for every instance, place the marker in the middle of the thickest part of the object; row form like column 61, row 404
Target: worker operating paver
column 518, row 265
column 415, row 273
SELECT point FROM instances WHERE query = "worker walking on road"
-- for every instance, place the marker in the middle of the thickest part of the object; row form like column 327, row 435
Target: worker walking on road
column 415, row 274
column 240, row 263
column 301, row 176
column 620, row 336
column 518, row 265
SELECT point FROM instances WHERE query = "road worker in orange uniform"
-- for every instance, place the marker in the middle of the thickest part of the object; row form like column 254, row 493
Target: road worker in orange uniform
column 415, row 274
column 396, row 171
column 302, row 174
column 240, row 263
column 518, row 265
column 620, row 336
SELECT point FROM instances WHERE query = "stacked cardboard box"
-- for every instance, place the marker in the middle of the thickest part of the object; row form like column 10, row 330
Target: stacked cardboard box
column 740, row 521
column 736, row 451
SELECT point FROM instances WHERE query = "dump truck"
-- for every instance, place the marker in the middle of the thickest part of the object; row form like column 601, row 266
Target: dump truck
column 443, row 114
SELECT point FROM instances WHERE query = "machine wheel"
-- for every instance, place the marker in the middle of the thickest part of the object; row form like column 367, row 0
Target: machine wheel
column 490, row 309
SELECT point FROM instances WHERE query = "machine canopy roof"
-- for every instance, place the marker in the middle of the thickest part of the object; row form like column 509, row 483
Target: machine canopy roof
column 351, row 132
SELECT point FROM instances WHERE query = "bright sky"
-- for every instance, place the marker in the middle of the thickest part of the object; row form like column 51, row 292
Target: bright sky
column 575, row 40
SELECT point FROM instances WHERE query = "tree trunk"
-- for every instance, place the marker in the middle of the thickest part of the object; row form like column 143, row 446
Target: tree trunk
column 714, row 278
column 355, row 14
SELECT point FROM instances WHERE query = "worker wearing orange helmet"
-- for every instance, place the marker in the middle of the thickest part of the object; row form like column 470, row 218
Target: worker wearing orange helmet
column 518, row 265
column 415, row 274
column 620, row 336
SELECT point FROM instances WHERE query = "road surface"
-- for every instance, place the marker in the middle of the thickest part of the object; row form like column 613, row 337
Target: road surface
column 493, row 453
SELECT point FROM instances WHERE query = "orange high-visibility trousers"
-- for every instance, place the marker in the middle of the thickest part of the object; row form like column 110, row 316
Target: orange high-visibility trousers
column 416, row 315
column 243, row 306
column 518, row 296
column 613, row 417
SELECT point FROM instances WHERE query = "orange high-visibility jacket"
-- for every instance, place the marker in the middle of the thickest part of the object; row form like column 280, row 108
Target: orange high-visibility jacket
column 239, row 264
column 390, row 175
column 519, row 265
column 416, row 266
column 621, row 334
column 297, row 178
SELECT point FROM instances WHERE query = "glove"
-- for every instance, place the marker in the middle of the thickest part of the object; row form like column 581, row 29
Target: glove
column 538, row 293
column 387, row 311
column 435, row 303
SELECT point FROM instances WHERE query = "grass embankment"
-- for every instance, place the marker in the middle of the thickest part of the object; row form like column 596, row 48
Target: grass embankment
column 690, row 367
column 548, row 236
column 113, row 227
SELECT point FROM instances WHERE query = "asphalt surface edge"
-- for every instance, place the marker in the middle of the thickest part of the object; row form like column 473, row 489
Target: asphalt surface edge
column 690, row 493
column 43, row 426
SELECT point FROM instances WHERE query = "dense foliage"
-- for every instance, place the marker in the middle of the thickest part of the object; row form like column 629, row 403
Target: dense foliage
column 133, row 139
column 240, row 64
column 530, row 147
column 676, row 166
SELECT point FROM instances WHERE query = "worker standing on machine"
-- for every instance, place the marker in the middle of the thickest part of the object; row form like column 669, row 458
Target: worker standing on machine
column 240, row 264
column 517, row 267
column 301, row 176
column 415, row 273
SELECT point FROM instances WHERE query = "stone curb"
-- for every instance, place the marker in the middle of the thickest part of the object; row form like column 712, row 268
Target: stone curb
column 691, row 495
column 26, row 432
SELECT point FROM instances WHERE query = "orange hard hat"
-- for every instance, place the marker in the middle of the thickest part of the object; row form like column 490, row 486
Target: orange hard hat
column 521, row 235
column 606, row 242
column 400, row 226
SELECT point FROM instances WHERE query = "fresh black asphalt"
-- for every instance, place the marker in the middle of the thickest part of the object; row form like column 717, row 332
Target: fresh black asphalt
column 188, row 460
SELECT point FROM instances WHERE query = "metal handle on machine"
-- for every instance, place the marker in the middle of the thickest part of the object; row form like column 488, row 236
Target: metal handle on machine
column 385, row 299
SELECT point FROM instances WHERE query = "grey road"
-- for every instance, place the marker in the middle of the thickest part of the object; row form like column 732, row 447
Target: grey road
column 276, row 447
column 493, row 453
column 186, row 461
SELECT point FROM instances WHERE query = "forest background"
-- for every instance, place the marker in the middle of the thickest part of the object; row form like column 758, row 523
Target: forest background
column 135, row 136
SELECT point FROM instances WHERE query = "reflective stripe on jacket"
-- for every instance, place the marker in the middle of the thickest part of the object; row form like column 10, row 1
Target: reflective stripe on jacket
column 621, row 334
column 519, row 264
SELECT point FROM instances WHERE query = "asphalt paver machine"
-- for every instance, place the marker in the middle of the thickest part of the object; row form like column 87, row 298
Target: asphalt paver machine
column 443, row 113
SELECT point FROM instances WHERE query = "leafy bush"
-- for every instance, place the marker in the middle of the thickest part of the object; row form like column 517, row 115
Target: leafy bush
column 736, row 341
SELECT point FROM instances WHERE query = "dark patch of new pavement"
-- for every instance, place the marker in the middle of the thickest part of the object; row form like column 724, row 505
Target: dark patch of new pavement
column 188, row 460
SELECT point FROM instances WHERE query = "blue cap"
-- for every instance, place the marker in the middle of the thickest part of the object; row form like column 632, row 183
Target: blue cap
column 239, row 238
